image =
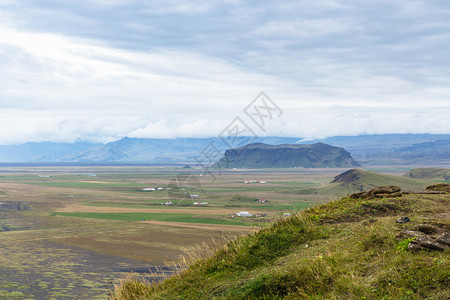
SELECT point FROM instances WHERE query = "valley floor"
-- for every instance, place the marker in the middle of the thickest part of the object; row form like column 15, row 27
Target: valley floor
column 72, row 232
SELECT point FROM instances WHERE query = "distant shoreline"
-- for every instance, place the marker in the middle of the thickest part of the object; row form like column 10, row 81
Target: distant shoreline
column 89, row 164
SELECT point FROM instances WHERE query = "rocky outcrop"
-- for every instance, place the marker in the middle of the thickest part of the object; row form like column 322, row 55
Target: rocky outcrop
column 426, row 237
column 440, row 187
column 380, row 192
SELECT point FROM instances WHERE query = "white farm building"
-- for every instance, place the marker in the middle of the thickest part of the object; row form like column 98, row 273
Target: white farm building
column 244, row 214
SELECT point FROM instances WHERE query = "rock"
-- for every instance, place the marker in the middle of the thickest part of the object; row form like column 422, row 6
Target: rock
column 445, row 187
column 428, row 229
column 379, row 192
column 429, row 192
column 392, row 195
column 386, row 190
column 403, row 220
column 407, row 234
column 360, row 195
column 426, row 243
column 444, row 238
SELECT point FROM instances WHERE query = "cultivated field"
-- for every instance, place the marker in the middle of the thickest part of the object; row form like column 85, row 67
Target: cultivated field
column 70, row 232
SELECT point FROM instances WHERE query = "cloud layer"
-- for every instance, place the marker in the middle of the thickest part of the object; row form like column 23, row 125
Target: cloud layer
column 102, row 70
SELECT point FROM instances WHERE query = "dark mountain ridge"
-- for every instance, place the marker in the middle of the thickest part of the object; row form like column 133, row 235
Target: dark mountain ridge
column 259, row 155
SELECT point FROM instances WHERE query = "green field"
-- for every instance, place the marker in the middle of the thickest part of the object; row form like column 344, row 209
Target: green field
column 168, row 217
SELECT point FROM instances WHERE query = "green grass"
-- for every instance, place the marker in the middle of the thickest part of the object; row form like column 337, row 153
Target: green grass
column 166, row 217
column 346, row 249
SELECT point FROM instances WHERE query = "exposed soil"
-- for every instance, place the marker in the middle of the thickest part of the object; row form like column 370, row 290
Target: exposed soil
column 102, row 209
column 214, row 227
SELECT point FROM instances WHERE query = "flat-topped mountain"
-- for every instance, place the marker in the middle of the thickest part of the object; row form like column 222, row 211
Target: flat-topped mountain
column 259, row 155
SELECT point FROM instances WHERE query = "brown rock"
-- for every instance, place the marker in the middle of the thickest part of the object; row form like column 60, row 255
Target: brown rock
column 406, row 234
column 428, row 229
column 386, row 189
column 425, row 243
column 379, row 192
column 386, row 195
column 444, row 238
column 445, row 187
column 360, row 195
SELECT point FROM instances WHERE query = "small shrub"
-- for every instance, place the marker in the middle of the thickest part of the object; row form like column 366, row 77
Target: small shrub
column 403, row 245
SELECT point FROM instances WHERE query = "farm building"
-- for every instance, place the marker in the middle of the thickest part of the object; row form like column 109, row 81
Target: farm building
column 167, row 203
column 148, row 189
column 254, row 181
column 200, row 203
column 244, row 214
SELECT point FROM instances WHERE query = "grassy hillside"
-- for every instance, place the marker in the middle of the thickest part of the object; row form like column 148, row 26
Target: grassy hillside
column 429, row 173
column 345, row 249
column 357, row 180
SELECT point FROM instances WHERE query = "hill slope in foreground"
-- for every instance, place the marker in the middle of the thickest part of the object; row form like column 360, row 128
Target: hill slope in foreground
column 259, row 155
column 346, row 249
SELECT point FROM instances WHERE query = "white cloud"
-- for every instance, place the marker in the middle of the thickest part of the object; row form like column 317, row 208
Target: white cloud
column 187, row 69
column 305, row 28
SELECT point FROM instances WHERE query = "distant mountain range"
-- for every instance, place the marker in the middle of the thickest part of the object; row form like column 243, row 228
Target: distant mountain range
column 407, row 149
column 259, row 155
column 394, row 149
column 123, row 150
column 43, row 152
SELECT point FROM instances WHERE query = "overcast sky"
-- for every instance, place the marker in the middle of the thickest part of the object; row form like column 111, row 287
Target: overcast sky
column 104, row 69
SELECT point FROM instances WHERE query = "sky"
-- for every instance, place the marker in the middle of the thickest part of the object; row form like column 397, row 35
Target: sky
column 100, row 70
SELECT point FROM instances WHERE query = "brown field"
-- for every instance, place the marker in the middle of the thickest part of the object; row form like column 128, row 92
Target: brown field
column 178, row 210
column 212, row 227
